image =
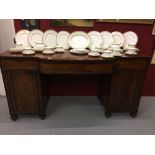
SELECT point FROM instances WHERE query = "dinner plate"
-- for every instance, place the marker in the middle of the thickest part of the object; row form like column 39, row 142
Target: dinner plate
column 118, row 38
column 94, row 54
column 21, row 37
column 62, row 39
column 130, row 38
column 78, row 39
column 74, row 51
column 50, row 38
column 107, row 39
column 28, row 52
column 95, row 39
column 35, row 38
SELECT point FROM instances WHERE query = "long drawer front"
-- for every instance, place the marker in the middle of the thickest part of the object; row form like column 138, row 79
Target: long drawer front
column 74, row 68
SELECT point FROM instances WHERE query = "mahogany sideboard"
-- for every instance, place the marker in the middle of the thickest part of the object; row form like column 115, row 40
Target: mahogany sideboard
column 24, row 78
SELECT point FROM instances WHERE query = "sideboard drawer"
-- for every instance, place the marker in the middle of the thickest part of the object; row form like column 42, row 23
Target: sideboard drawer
column 131, row 65
column 76, row 68
column 19, row 64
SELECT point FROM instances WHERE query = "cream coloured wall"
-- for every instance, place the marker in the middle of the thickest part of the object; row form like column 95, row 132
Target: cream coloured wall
column 7, row 33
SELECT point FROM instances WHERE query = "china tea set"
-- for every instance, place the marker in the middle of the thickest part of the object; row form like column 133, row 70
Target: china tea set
column 94, row 43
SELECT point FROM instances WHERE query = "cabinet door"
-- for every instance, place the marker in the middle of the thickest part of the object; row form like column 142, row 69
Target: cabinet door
column 126, row 91
column 23, row 91
column 127, row 84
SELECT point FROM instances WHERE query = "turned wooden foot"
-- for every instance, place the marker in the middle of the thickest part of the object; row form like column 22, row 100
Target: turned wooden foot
column 108, row 114
column 42, row 116
column 14, row 117
column 133, row 114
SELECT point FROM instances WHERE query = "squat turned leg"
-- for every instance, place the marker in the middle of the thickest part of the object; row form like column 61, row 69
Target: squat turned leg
column 108, row 114
column 133, row 113
column 14, row 117
column 42, row 116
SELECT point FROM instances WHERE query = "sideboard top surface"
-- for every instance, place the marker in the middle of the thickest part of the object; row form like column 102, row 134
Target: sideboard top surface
column 67, row 56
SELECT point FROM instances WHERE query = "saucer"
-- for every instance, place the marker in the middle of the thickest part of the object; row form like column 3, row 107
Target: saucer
column 48, row 52
column 74, row 51
column 59, row 50
column 118, row 50
column 131, row 49
column 94, row 54
column 105, row 55
column 117, row 53
column 38, row 49
column 16, row 50
column 130, row 52
column 28, row 52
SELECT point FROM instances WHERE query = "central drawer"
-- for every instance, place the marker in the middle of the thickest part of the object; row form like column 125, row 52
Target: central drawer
column 75, row 68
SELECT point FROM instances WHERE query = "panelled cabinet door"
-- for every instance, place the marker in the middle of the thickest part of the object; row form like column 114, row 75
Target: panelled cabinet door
column 23, row 90
column 126, row 91
column 127, row 85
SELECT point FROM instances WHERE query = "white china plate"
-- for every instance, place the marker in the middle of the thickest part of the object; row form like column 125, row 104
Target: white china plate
column 107, row 39
column 35, row 38
column 28, row 52
column 130, row 38
column 74, row 51
column 80, row 49
column 105, row 55
column 16, row 49
column 116, row 53
column 38, row 49
column 78, row 39
column 94, row 54
column 21, row 37
column 131, row 52
column 95, row 39
column 50, row 38
column 48, row 52
column 117, row 49
column 62, row 39
column 118, row 38
column 59, row 50
column 131, row 49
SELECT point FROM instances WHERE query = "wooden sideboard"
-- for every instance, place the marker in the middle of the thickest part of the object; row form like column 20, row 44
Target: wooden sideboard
column 24, row 80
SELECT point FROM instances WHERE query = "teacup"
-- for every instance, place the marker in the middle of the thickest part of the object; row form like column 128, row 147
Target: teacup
column 115, row 46
column 129, row 46
column 19, row 46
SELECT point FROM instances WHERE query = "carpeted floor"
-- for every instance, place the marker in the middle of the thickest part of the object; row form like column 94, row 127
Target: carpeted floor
column 80, row 115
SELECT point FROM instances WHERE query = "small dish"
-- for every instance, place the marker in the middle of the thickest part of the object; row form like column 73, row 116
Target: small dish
column 117, row 50
column 49, row 48
column 94, row 54
column 130, row 52
column 131, row 49
column 117, row 53
column 28, row 48
column 60, row 50
column 74, row 51
column 38, row 49
column 80, row 49
column 16, row 50
column 107, row 55
column 48, row 52
column 28, row 52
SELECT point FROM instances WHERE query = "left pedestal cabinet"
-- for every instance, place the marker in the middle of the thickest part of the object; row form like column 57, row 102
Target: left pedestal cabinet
column 23, row 87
